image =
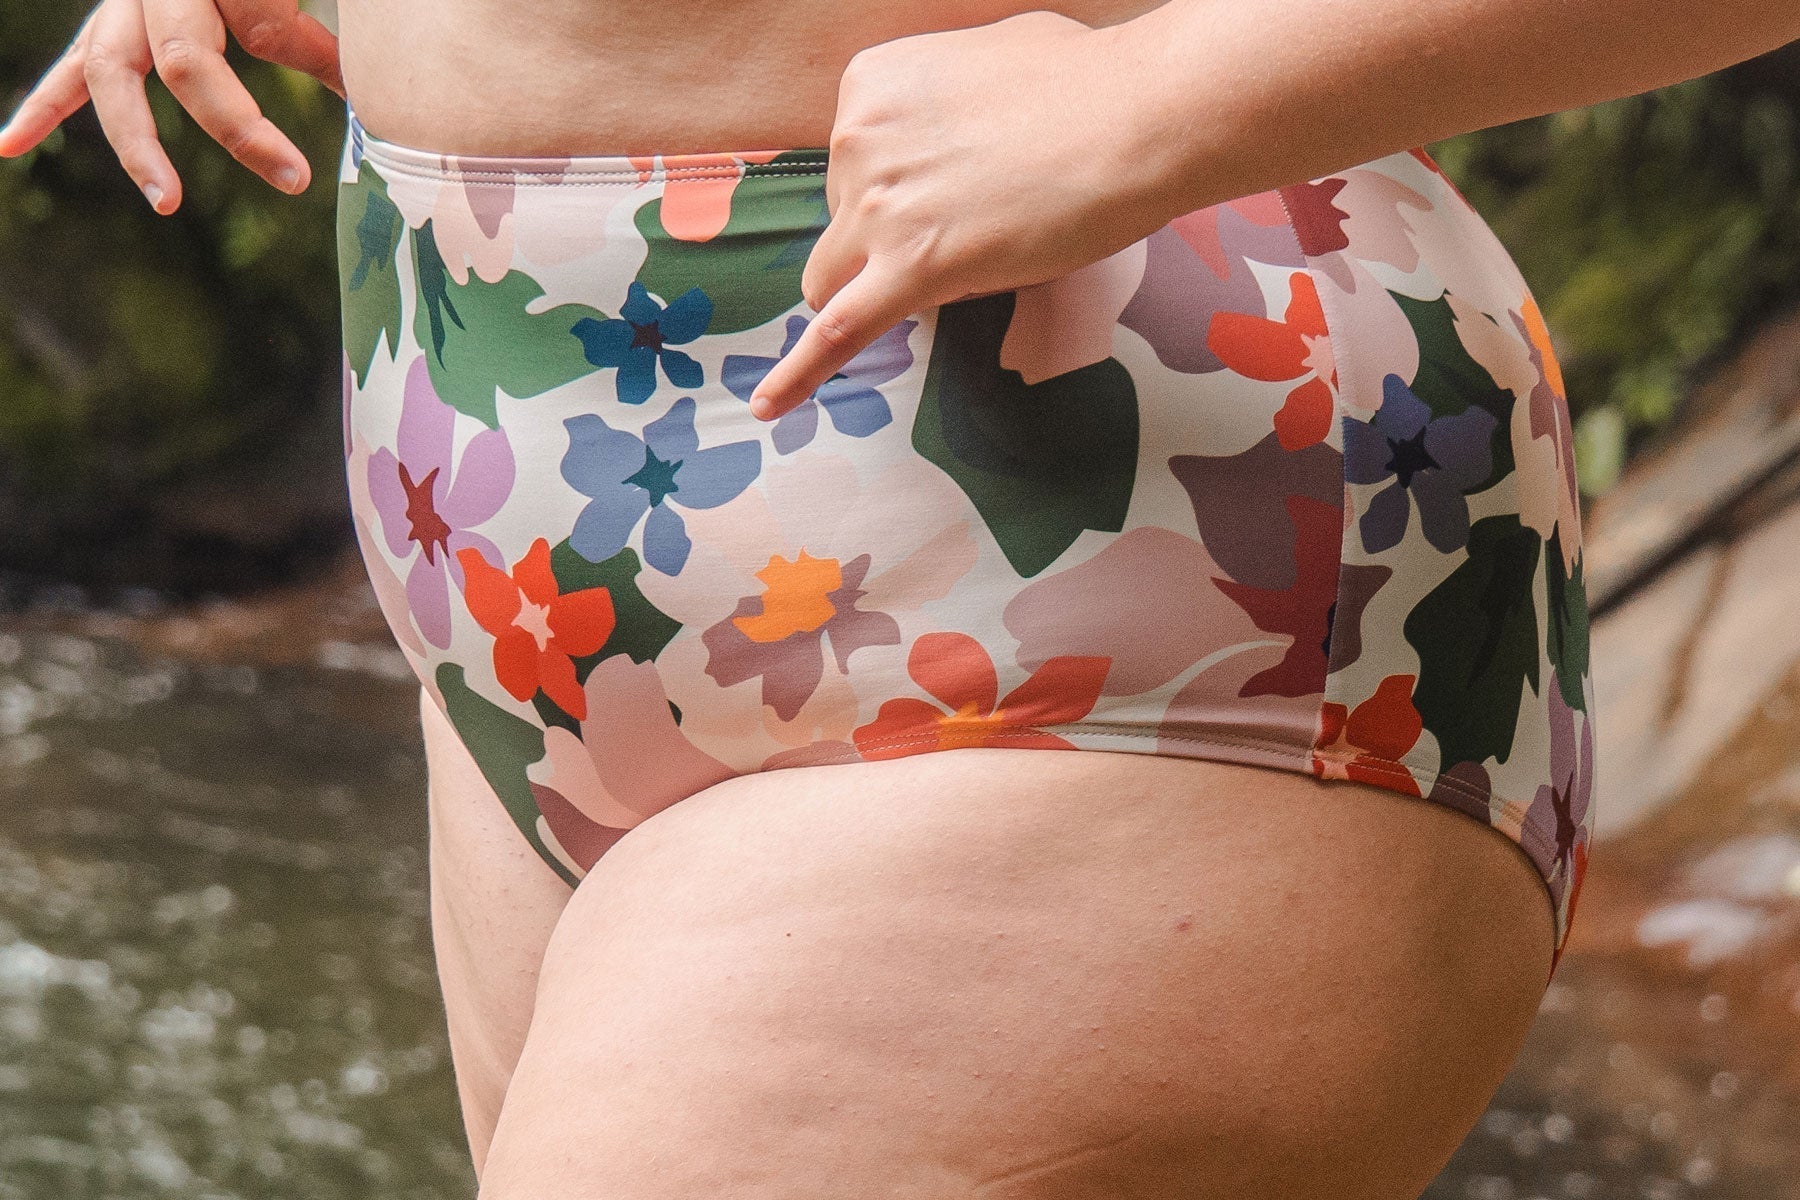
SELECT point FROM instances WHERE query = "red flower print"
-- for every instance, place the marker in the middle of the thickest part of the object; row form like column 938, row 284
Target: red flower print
column 1297, row 347
column 1367, row 743
column 1318, row 223
column 428, row 529
column 955, row 669
column 1304, row 610
column 538, row 631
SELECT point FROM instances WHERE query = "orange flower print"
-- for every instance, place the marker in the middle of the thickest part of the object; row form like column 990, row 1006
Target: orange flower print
column 1296, row 347
column 955, row 669
column 538, row 630
column 1367, row 743
column 697, row 189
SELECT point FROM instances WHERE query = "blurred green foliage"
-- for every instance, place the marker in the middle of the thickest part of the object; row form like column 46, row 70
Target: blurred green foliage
column 144, row 356
column 1653, row 229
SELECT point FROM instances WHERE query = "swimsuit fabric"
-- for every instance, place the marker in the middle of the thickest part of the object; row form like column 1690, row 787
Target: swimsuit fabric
column 1288, row 483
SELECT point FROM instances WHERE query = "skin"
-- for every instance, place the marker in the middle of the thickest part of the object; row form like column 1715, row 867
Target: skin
column 920, row 977
column 1183, row 104
column 183, row 41
column 987, row 974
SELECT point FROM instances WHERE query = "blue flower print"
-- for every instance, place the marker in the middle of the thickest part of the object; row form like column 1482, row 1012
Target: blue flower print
column 849, row 398
column 1434, row 460
column 627, row 476
column 641, row 334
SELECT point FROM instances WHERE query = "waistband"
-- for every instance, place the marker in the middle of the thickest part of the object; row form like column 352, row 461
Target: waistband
column 578, row 169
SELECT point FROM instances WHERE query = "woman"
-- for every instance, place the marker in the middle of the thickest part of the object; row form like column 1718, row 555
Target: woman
column 742, row 401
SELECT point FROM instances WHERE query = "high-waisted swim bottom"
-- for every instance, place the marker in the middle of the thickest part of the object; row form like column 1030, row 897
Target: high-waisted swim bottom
column 1287, row 483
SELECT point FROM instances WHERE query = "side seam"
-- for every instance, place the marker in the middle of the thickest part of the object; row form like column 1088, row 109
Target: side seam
column 1342, row 361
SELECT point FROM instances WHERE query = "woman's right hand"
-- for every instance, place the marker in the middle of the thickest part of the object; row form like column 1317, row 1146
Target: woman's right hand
column 122, row 41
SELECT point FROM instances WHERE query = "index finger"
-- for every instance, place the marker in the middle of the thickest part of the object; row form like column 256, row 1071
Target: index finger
column 187, row 39
column 871, row 303
column 60, row 92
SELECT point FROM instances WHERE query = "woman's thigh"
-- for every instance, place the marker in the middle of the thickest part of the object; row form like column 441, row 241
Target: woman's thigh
column 493, row 905
column 1016, row 974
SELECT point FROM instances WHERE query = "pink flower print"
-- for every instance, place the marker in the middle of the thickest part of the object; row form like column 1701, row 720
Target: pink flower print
column 430, row 500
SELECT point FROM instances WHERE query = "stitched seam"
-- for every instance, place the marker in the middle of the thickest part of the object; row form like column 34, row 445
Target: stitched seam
column 1035, row 733
column 527, row 178
column 1390, row 766
column 1543, row 842
column 1336, row 327
column 1332, row 328
column 1344, row 358
column 416, row 162
column 1038, row 731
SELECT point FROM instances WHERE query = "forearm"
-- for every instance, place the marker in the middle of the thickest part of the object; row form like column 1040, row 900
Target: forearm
column 1230, row 97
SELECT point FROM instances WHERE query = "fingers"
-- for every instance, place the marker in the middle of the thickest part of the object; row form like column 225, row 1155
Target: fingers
column 870, row 304
column 184, row 41
column 278, row 32
column 117, row 59
column 831, row 263
column 187, row 41
column 51, row 100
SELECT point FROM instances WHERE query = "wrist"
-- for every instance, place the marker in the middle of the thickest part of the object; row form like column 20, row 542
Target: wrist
column 1175, row 143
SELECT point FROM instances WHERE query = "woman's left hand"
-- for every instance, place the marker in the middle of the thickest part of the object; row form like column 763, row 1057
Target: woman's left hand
column 965, row 162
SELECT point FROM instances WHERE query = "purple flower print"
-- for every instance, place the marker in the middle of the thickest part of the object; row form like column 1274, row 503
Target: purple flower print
column 628, row 476
column 429, row 498
column 641, row 334
column 1560, row 808
column 781, row 633
column 1432, row 460
column 849, row 398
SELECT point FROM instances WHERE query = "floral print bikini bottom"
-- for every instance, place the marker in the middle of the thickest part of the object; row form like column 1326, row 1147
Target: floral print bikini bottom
column 1287, row 483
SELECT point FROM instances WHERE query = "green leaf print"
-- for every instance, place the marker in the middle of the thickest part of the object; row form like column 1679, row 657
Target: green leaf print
column 1040, row 461
column 750, row 269
column 1568, row 631
column 368, row 234
column 640, row 629
column 502, row 745
column 1476, row 634
column 1449, row 381
column 479, row 338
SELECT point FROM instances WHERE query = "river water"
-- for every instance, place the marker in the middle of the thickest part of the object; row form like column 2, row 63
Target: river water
column 215, row 966
column 216, row 978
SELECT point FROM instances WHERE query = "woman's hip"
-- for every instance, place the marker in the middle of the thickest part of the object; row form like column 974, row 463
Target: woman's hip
column 1287, row 483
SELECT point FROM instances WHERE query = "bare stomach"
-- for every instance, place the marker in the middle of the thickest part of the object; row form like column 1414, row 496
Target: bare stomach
column 628, row 76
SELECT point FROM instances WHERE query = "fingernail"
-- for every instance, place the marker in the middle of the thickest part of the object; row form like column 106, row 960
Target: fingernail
column 761, row 407
column 288, row 177
column 153, row 194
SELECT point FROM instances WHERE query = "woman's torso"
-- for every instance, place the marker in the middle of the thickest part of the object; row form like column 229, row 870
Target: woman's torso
column 600, row 77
